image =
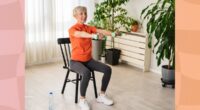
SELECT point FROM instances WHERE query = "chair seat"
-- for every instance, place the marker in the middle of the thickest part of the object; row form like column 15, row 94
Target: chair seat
column 72, row 69
column 76, row 72
column 68, row 69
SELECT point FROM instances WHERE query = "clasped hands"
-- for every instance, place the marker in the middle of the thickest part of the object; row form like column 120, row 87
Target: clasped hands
column 100, row 36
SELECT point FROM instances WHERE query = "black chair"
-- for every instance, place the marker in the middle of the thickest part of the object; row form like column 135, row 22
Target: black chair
column 66, row 54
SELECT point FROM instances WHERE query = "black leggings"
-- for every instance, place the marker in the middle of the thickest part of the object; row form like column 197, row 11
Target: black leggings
column 83, row 68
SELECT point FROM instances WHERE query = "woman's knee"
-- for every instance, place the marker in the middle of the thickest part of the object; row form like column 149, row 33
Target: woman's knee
column 107, row 70
column 86, row 74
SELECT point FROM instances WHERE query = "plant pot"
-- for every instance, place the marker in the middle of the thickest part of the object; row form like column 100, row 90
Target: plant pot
column 168, row 74
column 112, row 56
column 96, row 49
column 134, row 28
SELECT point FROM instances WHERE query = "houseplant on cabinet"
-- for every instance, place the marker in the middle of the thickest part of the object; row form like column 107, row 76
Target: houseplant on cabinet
column 111, row 16
column 134, row 27
column 160, row 18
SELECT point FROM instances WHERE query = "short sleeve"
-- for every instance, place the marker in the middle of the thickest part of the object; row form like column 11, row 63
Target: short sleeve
column 71, row 31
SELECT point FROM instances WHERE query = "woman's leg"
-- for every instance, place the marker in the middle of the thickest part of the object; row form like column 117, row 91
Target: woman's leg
column 81, row 69
column 101, row 67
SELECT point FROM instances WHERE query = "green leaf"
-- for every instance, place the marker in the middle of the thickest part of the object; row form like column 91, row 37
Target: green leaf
column 150, row 41
column 144, row 10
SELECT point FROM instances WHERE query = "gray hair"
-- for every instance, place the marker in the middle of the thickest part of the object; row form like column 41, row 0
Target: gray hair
column 79, row 8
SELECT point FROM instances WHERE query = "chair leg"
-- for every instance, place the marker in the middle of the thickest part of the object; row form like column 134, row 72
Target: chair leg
column 63, row 89
column 76, row 94
column 80, row 77
column 94, row 83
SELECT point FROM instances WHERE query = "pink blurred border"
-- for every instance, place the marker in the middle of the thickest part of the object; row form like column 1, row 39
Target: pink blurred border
column 187, row 55
column 12, row 56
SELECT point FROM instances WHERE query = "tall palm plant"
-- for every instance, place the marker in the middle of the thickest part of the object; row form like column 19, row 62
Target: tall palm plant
column 160, row 18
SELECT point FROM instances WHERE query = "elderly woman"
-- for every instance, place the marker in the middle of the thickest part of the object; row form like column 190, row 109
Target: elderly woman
column 81, row 60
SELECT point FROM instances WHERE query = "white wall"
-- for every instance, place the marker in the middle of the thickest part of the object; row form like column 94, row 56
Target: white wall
column 134, row 8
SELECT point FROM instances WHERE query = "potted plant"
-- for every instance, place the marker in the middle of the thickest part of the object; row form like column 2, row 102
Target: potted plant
column 96, row 49
column 103, row 52
column 111, row 16
column 160, row 18
column 130, row 24
column 134, row 27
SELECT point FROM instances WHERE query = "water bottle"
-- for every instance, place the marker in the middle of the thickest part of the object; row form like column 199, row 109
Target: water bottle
column 51, row 101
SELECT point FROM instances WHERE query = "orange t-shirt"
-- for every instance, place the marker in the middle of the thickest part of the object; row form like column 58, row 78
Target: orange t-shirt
column 81, row 47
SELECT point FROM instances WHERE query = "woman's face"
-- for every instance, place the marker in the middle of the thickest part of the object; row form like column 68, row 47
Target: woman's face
column 81, row 16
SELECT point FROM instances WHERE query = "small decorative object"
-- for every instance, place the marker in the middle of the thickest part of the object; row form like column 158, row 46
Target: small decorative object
column 134, row 27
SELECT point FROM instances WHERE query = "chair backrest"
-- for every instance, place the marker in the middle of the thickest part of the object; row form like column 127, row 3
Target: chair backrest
column 65, row 50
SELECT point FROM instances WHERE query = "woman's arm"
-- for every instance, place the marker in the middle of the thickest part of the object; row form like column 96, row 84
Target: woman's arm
column 104, row 32
column 82, row 34
column 108, row 33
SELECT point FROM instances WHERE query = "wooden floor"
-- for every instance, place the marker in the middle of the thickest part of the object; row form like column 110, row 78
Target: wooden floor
column 130, row 88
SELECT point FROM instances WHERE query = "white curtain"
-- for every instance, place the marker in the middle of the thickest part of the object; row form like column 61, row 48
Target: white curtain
column 45, row 21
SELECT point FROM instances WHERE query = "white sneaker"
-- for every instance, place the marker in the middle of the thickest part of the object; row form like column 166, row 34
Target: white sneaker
column 83, row 104
column 105, row 100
